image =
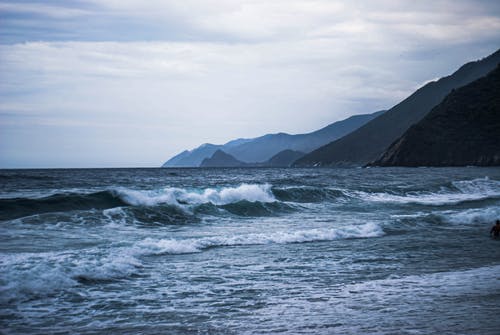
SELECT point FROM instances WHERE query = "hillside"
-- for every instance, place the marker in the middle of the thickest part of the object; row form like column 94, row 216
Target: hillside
column 283, row 158
column 369, row 141
column 462, row 130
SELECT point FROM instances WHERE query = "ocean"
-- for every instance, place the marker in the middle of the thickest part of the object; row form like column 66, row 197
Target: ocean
column 249, row 251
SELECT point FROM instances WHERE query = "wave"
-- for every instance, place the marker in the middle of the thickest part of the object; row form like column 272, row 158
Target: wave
column 243, row 200
column 160, row 205
column 180, row 196
column 31, row 276
column 306, row 194
column 172, row 204
column 457, row 192
column 155, row 216
column 480, row 216
column 21, row 207
column 193, row 245
column 247, row 208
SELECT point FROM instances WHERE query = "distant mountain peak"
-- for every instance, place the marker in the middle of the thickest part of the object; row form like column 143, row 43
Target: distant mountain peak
column 261, row 149
column 221, row 159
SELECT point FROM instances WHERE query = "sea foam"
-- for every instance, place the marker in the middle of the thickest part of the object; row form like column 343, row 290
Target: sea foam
column 461, row 191
column 180, row 196
column 479, row 216
column 470, row 282
column 192, row 245
column 26, row 276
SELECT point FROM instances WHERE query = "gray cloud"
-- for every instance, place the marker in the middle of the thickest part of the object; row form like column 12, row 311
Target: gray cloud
column 213, row 71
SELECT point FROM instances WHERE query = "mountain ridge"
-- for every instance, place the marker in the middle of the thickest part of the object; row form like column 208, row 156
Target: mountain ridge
column 220, row 158
column 464, row 129
column 369, row 141
column 262, row 148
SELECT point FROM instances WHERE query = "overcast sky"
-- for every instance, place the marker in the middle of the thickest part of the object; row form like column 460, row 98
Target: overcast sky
column 111, row 83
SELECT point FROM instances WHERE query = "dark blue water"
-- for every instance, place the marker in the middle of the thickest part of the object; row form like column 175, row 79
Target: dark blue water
column 243, row 251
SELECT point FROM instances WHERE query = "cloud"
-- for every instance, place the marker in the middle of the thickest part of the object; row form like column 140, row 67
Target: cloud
column 52, row 11
column 258, row 20
column 163, row 76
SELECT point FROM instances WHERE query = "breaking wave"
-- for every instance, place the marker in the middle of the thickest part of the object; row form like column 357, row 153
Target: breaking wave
column 242, row 200
column 237, row 199
column 180, row 196
column 457, row 192
column 50, row 274
column 29, row 276
column 474, row 216
column 193, row 245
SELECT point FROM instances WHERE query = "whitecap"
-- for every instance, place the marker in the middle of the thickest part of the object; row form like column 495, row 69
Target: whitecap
column 471, row 216
column 467, row 190
column 179, row 196
column 34, row 275
column 182, row 246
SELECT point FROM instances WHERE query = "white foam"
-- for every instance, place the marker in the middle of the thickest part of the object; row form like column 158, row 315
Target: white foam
column 175, row 246
column 478, row 280
column 27, row 275
column 178, row 196
column 146, row 198
column 468, row 190
column 30, row 275
column 120, row 265
column 484, row 186
column 472, row 216
column 110, row 212
column 115, row 217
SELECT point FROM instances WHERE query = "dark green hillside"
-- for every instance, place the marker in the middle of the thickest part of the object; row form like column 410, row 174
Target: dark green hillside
column 369, row 141
column 462, row 130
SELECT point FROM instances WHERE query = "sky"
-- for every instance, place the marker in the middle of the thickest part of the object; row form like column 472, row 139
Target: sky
column 130, row 83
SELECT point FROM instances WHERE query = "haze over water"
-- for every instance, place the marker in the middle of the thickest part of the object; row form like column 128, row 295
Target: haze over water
column 312, row 251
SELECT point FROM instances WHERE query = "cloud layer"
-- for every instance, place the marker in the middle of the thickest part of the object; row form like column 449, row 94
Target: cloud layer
column 130, row 83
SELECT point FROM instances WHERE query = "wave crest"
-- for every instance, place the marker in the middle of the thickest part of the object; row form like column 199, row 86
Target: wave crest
column 193, row 245
column 460, row 191
column 182, row 199
column 52, row 273
column 21, row 207
column 180, row 196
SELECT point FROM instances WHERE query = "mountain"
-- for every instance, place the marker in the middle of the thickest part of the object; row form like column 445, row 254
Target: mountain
column 368, row 142
column 462, row 130
column 262, row 148
column 283, row 158
column 193, row 158
column 221, row 159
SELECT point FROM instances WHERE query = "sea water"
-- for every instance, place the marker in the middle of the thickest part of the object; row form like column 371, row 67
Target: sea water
column 245, row 251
